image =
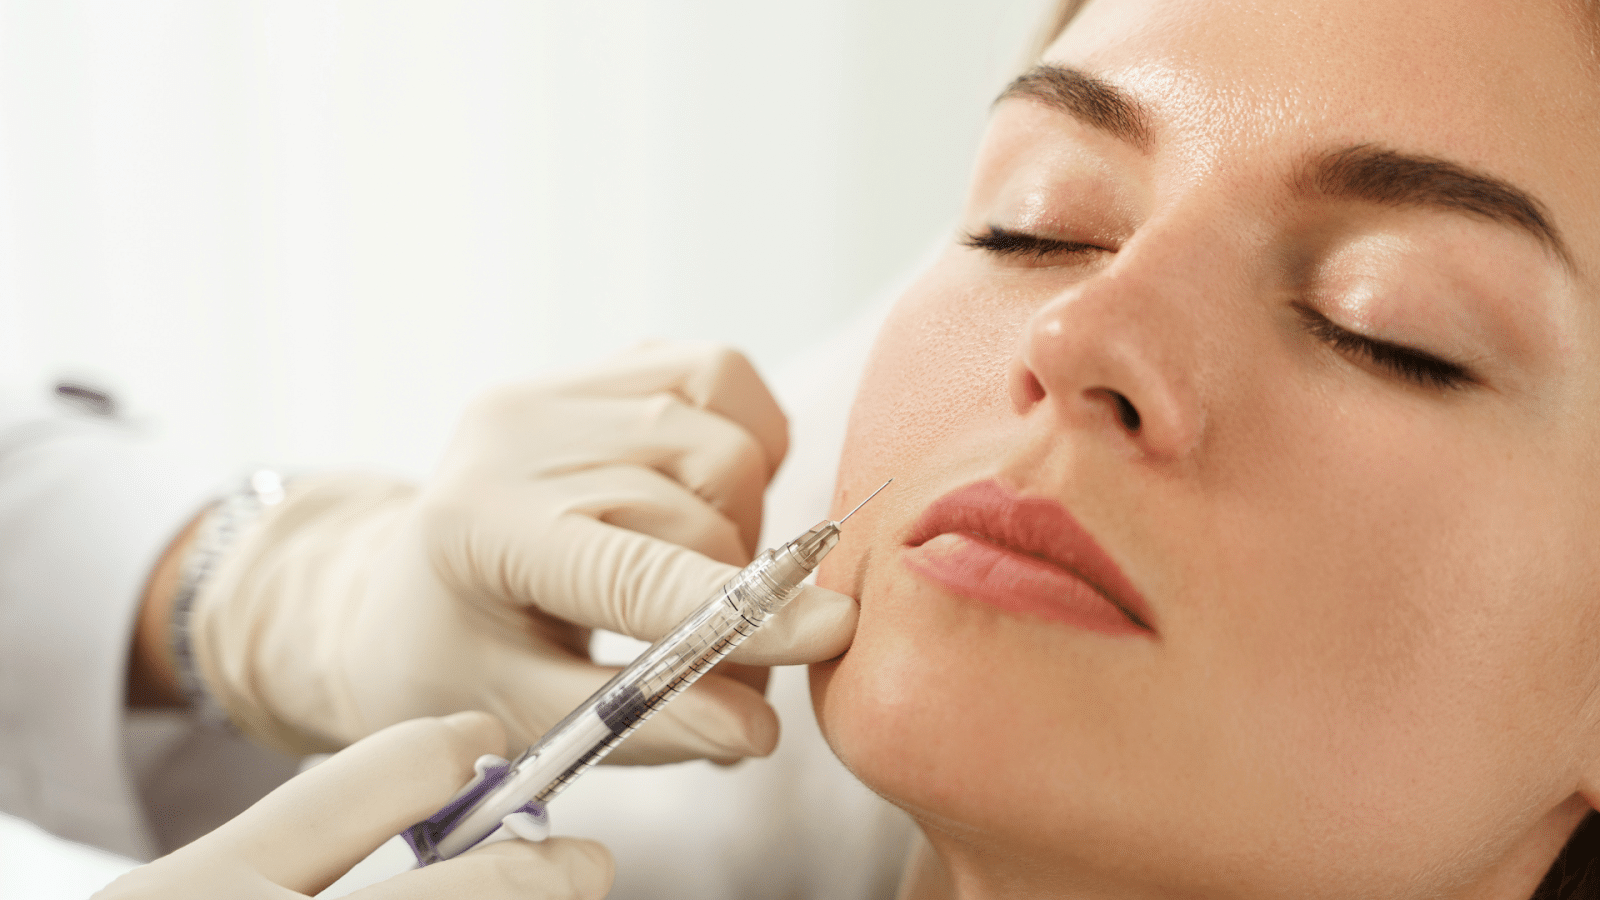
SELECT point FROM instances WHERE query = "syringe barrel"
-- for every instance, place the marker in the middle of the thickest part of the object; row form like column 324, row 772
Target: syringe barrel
column 661, row 672
column 673, row 663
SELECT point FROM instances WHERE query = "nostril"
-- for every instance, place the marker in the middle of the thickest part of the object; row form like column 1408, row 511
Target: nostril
column 1032, row 390
column 1126, row 412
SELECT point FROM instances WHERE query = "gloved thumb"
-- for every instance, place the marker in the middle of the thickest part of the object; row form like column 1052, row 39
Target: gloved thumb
column 642, row 587
column 552, row 869
column 311, row 830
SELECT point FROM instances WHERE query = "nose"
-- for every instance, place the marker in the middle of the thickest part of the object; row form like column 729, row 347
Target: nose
column 1115, row 356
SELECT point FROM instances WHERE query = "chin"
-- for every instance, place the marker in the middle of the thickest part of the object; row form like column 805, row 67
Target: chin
column 881, row 742
column 923, row 717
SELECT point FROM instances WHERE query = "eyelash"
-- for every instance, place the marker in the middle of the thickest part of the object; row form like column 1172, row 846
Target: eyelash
column 1004, row 242
column 1413, row 365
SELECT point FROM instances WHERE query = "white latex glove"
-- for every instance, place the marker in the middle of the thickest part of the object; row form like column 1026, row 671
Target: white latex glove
column 301, row 837
column 619, row 498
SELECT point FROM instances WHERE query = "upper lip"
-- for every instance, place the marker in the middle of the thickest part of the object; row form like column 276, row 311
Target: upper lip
column 1037, row 526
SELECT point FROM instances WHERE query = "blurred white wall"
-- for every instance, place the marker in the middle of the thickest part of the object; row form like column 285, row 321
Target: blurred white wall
column 306, row 233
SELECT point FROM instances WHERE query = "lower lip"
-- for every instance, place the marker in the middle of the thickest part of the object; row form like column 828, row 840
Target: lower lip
column 1016, row 583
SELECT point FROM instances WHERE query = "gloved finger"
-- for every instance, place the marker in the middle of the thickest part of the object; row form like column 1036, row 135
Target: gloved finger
column 647, row 502
column 715, row 378
column 501, row 549
column 522, row 433
column 717, row 717
column 817, row 625
column 311, row 830
column 602, row 575
column 552, row 869
column 756, row 677
column 715, row 459
column 642, row 587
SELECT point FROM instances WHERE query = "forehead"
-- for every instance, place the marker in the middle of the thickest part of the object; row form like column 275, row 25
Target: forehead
column 1511, row 88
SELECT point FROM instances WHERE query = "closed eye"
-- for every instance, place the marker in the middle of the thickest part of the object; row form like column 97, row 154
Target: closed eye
column 1409, row 363
column 1003, row 242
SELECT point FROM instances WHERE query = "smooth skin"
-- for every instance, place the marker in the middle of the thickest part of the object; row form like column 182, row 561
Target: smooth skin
column 1359, row 494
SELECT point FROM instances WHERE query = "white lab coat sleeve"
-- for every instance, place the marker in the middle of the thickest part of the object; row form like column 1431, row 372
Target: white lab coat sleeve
column 86, row 508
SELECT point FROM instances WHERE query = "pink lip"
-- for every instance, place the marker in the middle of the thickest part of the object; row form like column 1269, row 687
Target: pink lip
column 1027, row 556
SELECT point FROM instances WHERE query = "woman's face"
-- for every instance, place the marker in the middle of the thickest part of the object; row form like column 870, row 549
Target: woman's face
column 1245, row 531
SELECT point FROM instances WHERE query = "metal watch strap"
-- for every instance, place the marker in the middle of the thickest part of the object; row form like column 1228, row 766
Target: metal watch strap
column 219, row 531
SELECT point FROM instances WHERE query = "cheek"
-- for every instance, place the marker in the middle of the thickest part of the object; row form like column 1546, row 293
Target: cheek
column 939, row 367
column 1392, row 592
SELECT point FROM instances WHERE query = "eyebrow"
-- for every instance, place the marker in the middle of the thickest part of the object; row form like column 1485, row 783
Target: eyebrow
column 1088, row 99
column 1365, row 172
column 1375, row 174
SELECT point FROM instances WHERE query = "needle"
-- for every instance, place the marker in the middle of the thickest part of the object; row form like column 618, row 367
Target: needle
column 864, row 502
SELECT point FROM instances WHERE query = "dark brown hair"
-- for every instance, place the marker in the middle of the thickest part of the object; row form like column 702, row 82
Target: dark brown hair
column 1576, row 872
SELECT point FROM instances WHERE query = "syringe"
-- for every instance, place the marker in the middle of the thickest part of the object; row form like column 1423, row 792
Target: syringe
column 597, row 726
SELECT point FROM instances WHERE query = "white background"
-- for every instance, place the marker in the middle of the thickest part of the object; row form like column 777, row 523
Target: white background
column 307, row 233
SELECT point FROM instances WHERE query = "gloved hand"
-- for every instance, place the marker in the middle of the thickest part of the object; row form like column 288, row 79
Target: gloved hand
column 619, row 498
column 300, row 838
